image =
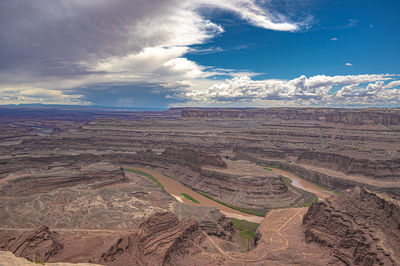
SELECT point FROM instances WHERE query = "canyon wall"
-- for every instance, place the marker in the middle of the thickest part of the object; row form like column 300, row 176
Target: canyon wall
column 344, row 116
column 374, row 168
column 360, row 226
column 193, row 158
column 159, row 241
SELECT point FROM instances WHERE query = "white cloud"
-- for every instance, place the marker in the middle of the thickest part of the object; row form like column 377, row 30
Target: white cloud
column 393, row 84
column 210, row 50
column 165, row 61
column 26, row 95
column 321, row 89
column 352, row 23
column 250, row 11
column 348, row 64
column 68, row 45
column 70, row 48
column 334, row 39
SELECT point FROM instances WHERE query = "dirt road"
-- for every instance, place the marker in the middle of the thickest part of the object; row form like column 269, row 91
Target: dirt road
column 281, row 243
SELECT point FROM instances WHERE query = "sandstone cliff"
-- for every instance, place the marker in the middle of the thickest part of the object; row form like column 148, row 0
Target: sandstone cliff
column 360, row 226
column 193, row 158
column 210, row 219
column 348, row 165
column 159, row 241
column 344, row 116
column 57, row 175
column 40, row 244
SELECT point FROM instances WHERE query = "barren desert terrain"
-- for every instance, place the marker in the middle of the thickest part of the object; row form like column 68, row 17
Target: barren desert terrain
column 193, row 186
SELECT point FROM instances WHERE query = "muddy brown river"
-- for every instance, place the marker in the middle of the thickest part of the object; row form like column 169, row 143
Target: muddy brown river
column 175, row 188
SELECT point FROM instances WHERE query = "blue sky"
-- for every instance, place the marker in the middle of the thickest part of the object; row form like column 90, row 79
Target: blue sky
column 367, row 33
column 165, row 53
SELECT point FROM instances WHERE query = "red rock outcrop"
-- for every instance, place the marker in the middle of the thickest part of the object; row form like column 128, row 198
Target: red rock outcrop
column 360, row 226
column 159, row 241
column 210, row 219
column 39, row 244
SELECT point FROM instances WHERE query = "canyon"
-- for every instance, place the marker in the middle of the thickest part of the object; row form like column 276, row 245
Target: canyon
column 323, row 185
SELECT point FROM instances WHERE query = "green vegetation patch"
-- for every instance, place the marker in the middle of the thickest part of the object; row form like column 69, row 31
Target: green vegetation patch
column 318, row 185
column 324, row 188
column 246, row 233
column 241, row 209
column 267, row 169
column 305, row 199
column 152, row 178
column 186, row 196
column 287, row 181
column 164, row 174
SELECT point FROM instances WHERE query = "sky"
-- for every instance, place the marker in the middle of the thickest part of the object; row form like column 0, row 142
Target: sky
column 208, row 53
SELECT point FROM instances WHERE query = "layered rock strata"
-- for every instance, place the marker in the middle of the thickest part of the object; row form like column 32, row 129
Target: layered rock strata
column 360, row 227
column 248, row 191
column 59, row 175
column 345, row 116
column 40, row 244
column 210, row 219
column 159, row 241
column 193, row 158
column 374, row 168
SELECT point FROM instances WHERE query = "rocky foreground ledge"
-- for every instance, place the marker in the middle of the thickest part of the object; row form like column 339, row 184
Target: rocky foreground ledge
column 359, row 226
column 162, row 240
column 8, row 258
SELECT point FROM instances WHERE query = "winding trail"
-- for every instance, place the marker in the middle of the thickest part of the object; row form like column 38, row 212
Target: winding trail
column 175, row 188
column 271, row 226
column 264, row 255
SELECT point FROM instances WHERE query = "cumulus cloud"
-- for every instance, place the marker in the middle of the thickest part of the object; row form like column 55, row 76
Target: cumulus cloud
column 392, row 84
column 72, row 44
column 348, row 64
column 132, row 51
column 350, row 90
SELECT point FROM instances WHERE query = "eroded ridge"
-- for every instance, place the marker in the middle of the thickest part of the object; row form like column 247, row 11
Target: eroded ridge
column 40, row 244
column 359, row 226
column 160, row 240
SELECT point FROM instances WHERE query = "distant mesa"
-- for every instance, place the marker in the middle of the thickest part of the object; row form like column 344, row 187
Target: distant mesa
column 332, row 115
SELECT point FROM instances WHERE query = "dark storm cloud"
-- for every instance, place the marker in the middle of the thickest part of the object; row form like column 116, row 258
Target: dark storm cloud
column 55, row 37
column 126, row 95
